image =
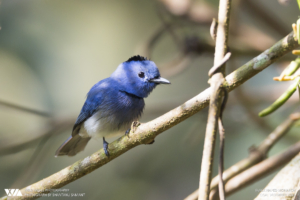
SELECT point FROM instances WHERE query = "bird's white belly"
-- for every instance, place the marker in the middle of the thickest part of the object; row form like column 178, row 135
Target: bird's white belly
column 96, row 127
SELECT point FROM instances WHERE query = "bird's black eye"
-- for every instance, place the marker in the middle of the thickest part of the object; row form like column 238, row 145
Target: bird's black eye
column 141, row 74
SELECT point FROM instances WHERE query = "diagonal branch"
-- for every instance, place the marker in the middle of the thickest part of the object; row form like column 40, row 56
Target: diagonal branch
column 145, row 133
column 24, row 109
column 263, row 14
column 285, row 185
column 54, row 127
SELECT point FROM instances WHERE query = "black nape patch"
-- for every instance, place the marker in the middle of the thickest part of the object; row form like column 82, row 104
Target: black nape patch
column 136, row 58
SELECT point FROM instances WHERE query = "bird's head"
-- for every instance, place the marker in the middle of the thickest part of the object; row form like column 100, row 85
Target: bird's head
column 138, row 76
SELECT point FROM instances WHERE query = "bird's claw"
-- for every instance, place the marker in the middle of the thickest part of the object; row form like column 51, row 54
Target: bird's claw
column 105, row 147
column 127, row 132
column 134, row 125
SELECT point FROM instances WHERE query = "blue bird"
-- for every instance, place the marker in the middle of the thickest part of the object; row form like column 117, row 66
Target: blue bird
column 113, row 104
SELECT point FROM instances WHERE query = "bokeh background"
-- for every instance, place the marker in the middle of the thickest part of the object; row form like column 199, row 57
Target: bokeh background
column 53, row 51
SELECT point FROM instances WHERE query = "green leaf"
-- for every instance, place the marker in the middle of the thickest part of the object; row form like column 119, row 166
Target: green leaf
column 281, row 100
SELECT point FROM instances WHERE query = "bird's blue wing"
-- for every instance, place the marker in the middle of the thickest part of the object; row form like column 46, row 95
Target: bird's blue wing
column 91, row 105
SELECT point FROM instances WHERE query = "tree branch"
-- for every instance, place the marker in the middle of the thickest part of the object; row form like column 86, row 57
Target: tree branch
column 285, row 184
column 145, row 133
column 216, row 82
column 257, row 154
column 210, row 137
column 55, row 126
column 260, row 170
column 25, row 109
column 263, row 14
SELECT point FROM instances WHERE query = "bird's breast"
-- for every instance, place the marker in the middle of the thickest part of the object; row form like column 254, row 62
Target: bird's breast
column 114, row 114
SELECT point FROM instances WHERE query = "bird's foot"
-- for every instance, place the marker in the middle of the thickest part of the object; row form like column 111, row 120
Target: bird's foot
column 127, row 132
column 134, row 125
column 105, row 147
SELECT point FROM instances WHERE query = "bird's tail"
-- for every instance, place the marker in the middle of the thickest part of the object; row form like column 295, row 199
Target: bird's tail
column 72, row 146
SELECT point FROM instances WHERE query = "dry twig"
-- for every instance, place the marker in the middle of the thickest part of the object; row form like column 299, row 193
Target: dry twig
column 214, row 118
column 24, row 109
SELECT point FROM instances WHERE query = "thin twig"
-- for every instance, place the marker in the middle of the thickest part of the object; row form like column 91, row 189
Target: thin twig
column 222, row 144
column 267, row 16
column 214, row 69
column 221, row 160
column 177, row 65
column 213, row 29
column 214, row 106
column 55, row 127
column 210, row 137
column 145, row 133
column 182, row 61
column 34, row 165
column 174, row 36
column 24, row 109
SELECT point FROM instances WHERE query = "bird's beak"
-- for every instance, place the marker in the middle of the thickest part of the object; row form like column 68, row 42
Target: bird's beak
column 160, row 80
